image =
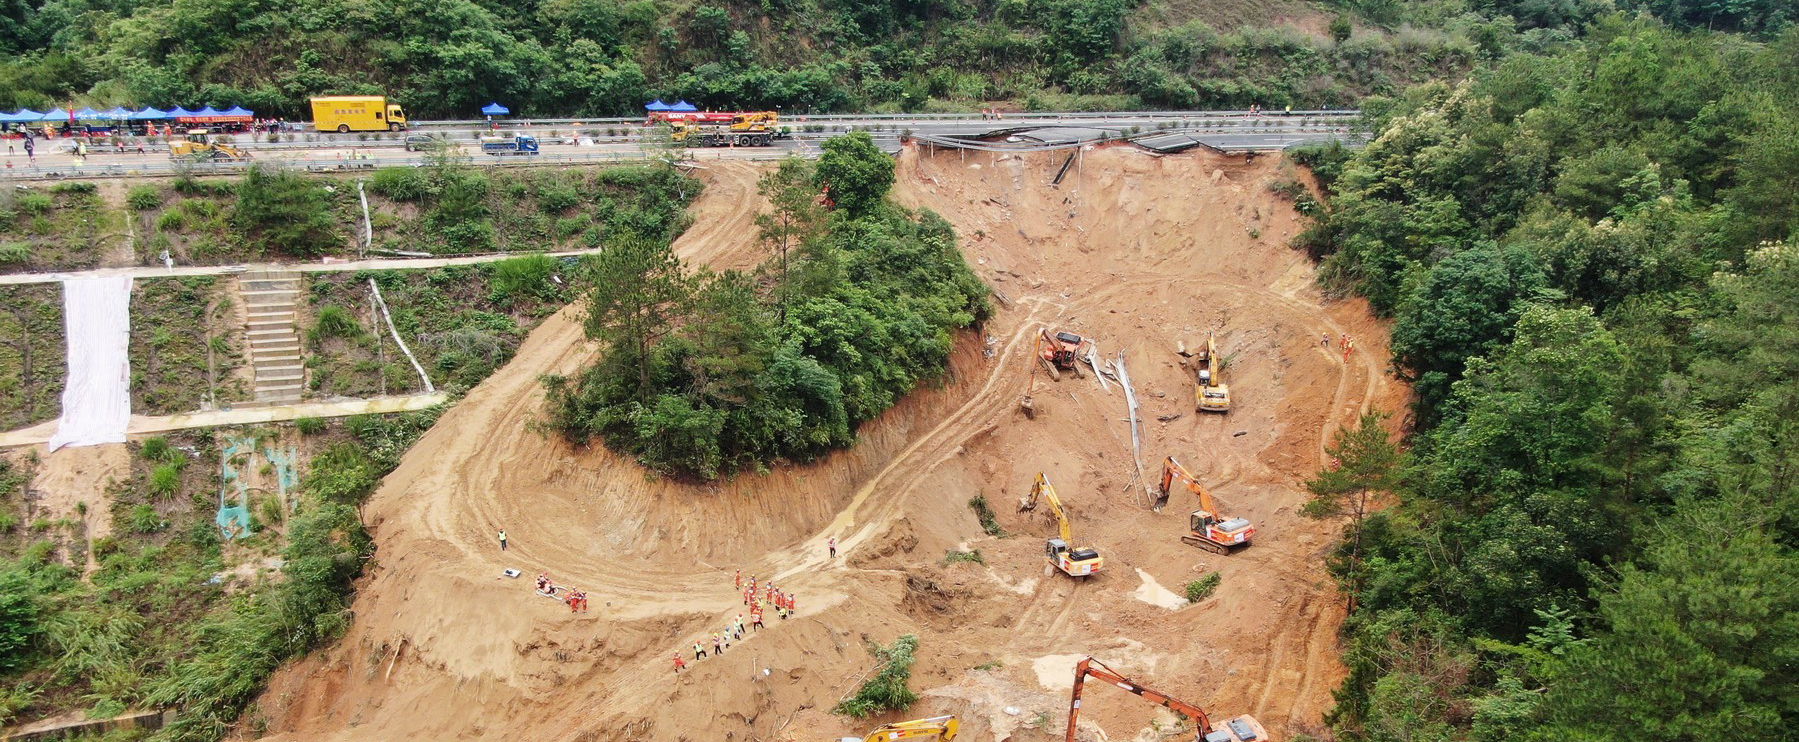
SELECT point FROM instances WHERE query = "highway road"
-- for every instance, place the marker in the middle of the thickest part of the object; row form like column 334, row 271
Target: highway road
column 594, row 142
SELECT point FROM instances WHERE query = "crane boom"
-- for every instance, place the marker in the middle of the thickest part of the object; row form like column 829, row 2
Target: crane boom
column 1047, row 491
column 1085, row 668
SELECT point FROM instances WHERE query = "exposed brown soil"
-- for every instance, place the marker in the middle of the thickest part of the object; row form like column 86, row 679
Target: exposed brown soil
column 1134, row 250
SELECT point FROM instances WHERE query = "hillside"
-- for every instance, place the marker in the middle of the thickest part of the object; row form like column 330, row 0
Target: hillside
column 606, row 57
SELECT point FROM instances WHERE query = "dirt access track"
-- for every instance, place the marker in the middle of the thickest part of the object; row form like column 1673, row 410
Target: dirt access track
column 1135, row 250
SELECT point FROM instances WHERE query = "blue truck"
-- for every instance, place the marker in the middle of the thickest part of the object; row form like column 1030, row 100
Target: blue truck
column 523, row 144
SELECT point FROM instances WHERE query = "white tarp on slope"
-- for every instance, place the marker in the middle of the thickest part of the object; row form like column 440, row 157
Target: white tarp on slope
column 96, row 403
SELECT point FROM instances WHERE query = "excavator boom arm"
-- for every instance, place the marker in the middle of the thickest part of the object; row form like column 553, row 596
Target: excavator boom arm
column 940, row 728
column 1172, row 471
column 1086, row 668
column 1048, row 492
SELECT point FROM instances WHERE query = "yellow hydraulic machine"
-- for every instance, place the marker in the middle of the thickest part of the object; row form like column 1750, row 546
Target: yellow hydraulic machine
column 1080, row 562
column 1212, row 395
column 935, row 729
column 198, row 147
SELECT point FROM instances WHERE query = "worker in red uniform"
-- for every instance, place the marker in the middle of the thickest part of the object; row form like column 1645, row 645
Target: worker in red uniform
column 756, row 618
column 791, row 602
column 679, row 665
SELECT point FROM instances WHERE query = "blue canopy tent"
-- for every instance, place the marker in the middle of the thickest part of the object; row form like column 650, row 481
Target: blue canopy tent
column 238, row 111
column 683, row 106
column 178, row 112
column 117, row 114
column 495, row 109
column 55, row 114
column 149, row 114
column 656, row 105
column 23, row 114
column 89, row 114
column 207, row 111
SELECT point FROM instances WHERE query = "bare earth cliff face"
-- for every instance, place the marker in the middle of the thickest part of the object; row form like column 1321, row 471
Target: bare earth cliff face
column 1134, row 250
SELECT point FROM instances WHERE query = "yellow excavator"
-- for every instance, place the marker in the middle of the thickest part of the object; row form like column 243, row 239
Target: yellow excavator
column 1075, row 562
column 1212, row 395
column 938, row 728
column 197, row 147
column 1206, row 529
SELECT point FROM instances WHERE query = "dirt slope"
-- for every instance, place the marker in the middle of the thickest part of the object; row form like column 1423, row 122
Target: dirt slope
column 1134, row 250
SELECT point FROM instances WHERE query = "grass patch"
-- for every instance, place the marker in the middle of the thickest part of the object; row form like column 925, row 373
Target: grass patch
column 183, row 352
column 959, row 557
column 886, row 690
column 32, row 365
column 60, row 227
column 1203, row 587
column 461, row 322
column 984, row 512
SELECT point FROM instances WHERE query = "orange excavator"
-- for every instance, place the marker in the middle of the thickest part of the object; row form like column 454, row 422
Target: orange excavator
column 1206, row 528
column 1243, row 728
column 1060, row 351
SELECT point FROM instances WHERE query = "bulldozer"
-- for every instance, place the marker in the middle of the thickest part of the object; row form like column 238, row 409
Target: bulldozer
column 1212, row 394
column 1080, row 562
column 198, row 147
column 1243, row 728
column 936, row 728
column 1206, row 529
column 1061, row 351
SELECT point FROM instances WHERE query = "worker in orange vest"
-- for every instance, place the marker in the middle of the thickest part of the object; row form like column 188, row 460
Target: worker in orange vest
column 679, row 665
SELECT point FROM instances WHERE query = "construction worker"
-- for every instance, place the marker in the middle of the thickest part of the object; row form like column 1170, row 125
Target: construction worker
column 699, row 651
column 738, row 580
column 791, row 603
column 1325, row 339
column 679, row 665
column 502, row 539
column 739, row 626
column 756, row 618
column 832, row 544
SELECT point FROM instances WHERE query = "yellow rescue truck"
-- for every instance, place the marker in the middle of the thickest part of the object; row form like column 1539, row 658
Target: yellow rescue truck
column 347, row 113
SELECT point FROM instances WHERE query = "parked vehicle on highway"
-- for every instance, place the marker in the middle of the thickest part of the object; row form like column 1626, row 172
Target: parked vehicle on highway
column 523, row 144
column 346, row 113
column 425, row 142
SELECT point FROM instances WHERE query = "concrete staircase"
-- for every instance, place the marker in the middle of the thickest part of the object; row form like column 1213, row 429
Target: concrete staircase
column 274, row 341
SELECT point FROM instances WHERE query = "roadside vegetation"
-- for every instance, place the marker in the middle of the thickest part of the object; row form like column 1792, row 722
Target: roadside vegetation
column 1587, row 257
column 461, row 322
column 174, row 617
column 607, row 59
column 704, row 374
column 185, row 348
column 32, row 351
column 46, row 226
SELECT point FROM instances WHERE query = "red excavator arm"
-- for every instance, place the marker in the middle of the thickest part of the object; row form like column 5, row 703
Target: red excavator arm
column 1085, row 668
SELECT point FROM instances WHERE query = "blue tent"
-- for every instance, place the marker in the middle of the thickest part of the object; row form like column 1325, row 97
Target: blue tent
column 117, row 114
column 149, row 114
column 495, row 109
column 238, row 111
column 683, row 106
column 178, row 112
column 208, row 111
column 23, row 114
column 88, row 114
column 656, row 105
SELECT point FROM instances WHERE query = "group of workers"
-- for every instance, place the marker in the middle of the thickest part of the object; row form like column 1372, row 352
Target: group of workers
column 575, row 599
column 1344, row 340
column 756, row 596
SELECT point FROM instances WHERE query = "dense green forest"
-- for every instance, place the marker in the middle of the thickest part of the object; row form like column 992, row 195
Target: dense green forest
column 707, row 373
column 607, row 57
column 1586, row 255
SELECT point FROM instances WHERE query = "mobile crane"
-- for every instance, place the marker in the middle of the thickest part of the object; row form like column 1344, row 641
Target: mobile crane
column 936, row 728
column 1206, row 529
column 751, row 129
column 1075, row 562
column 1243, row 728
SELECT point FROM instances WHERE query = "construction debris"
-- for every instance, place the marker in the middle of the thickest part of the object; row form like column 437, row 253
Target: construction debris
column 1130, row 406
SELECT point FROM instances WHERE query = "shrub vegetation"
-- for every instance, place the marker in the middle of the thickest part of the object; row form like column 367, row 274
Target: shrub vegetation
column 707, row 373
